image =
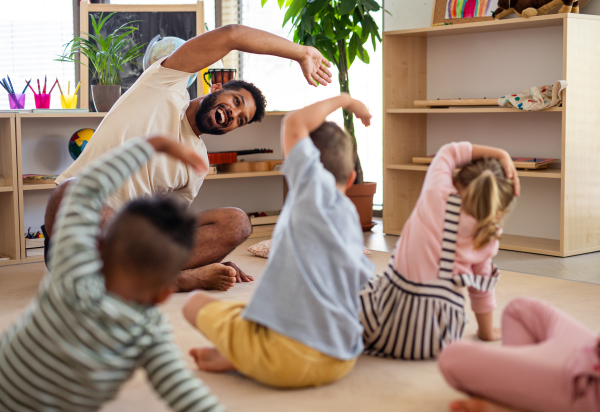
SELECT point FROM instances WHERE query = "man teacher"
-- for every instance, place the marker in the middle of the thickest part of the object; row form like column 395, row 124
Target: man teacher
column 158, row 103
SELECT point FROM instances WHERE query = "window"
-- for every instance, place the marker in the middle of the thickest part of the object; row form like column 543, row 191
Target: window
column 30, row 43
column 284, row 86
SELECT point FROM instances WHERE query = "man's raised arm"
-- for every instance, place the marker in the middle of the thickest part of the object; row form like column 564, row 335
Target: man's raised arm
column 207, row 48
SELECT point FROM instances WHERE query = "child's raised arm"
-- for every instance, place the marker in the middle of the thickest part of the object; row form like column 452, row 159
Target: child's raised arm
column 297, row 125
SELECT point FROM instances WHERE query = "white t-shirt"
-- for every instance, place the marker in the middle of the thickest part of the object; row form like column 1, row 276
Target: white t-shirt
column 154, row 105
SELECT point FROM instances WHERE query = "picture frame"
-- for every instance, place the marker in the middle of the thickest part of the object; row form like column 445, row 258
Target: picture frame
column 462, row 11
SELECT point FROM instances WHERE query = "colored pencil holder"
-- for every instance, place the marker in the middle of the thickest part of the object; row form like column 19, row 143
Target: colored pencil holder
column 42, row 100
column 16, row 101
column 68, row 101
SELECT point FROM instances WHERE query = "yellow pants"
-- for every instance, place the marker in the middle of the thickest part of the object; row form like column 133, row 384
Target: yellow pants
column 264, row 355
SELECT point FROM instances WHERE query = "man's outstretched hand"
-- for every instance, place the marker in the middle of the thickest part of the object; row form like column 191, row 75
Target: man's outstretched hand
column 315, row 67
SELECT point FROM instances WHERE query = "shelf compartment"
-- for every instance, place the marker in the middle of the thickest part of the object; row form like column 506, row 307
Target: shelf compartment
column 32, row 186
column 530, row 244
column 33, row 259
column 492, row 26
column 243, row 174
column 540, row 173
column 423, row 110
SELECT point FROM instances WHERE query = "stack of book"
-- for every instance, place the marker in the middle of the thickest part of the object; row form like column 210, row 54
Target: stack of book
column 34, row 247
column 263, row 223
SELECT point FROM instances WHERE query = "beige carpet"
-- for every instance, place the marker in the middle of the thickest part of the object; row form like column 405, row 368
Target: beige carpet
column 375, row 384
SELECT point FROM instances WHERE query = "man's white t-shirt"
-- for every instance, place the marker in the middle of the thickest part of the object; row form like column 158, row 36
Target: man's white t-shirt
column 154, row 105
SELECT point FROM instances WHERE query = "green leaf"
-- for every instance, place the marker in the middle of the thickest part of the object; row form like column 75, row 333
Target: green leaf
column 327, row 26
column 352, row 49
column 263, row 2
column 346, row 6
column 343, row 34
column 308, row 22
column 363, row 55
column 315, row 6
column 370, row 5
column 295, row 8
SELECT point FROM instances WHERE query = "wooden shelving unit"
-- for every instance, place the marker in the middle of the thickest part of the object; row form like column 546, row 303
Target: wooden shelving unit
column 15, row 130
column 9, row 223
column 405, row 128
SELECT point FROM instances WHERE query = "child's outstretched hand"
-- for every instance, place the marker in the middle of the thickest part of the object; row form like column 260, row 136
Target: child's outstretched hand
column 360, row 110
column 184, row 153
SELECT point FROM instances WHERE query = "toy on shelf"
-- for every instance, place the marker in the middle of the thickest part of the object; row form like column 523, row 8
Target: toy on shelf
column 78, row 141
column 240, row 167
column 537, row 98
column 36, row 235
column 217, row 158
column 39, row 179
column 530, row 8
column 519, row 162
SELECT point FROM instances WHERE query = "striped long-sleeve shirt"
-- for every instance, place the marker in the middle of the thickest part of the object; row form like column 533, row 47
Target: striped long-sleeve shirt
column 76, row 344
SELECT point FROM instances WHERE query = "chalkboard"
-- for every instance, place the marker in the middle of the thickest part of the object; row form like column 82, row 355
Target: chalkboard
column 149, row 24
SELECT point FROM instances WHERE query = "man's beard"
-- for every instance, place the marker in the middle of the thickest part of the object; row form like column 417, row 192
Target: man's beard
column 205, row 122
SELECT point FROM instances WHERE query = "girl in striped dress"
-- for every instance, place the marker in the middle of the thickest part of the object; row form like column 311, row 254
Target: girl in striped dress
column 416, row 306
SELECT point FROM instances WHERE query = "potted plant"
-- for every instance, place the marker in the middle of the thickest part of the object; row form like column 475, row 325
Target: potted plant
column 107, row 55
column 339, row 29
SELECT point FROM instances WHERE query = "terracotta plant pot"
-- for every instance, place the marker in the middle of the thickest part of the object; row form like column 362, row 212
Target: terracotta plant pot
column 362, row 197
column 105, row 97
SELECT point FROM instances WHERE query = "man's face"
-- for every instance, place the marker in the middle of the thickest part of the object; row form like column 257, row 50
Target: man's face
column 224, row 111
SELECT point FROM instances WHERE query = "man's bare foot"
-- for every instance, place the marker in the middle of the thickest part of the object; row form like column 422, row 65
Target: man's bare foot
column 211, row 360
column 209, row 277
column 478, row 405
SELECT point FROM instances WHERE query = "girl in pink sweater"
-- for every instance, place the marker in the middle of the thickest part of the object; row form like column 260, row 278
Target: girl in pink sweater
column 416, row 307
column 548, row 362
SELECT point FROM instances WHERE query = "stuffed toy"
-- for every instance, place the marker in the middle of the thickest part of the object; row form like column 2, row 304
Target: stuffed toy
column 530, row 8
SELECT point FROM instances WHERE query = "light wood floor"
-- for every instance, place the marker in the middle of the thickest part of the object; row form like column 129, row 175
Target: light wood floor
column 582, row 268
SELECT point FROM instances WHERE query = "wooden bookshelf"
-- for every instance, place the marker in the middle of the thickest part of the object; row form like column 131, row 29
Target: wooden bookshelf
column 405, row 133
column 466, row 110
column 9, row 211
column 15, row 195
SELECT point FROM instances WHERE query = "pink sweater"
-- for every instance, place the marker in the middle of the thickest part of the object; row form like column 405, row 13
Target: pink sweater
column 418, row 251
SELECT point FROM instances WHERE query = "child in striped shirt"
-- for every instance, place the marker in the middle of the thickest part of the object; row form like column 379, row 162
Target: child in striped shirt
column 94, row 320
column 416, row 307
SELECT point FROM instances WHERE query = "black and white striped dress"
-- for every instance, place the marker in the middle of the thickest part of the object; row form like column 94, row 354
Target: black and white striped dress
column 404, row 319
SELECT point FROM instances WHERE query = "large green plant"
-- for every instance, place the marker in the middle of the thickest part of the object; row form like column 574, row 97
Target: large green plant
column 338, row 29
column 106, row 54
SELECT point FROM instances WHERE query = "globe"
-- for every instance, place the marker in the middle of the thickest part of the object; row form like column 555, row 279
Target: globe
column 78, row 141
column 160, row 47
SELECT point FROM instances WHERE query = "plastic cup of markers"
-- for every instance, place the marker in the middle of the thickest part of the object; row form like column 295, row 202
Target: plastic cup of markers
column 42, row 100
column 68, row 101
column 16, row 101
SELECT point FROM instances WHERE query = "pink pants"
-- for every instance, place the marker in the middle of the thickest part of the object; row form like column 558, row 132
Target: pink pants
column 548, row 362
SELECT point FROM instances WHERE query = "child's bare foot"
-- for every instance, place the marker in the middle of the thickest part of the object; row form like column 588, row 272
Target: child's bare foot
column 211, row 360
column 210, row 277
column 478, row 405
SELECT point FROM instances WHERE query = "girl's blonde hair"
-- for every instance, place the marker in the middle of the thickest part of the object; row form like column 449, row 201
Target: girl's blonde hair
column 489, row 195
